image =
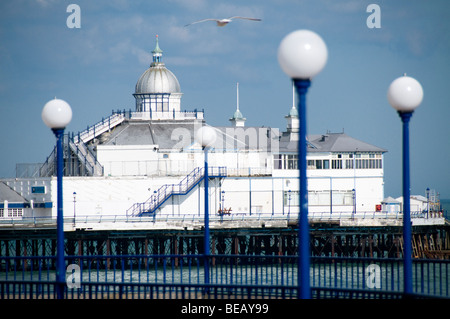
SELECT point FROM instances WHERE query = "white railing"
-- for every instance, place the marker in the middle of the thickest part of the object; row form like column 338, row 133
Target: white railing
column 199, row 218
column 95, row 130
column 166, row 115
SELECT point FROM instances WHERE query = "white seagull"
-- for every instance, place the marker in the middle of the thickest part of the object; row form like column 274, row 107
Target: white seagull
column 223, row 22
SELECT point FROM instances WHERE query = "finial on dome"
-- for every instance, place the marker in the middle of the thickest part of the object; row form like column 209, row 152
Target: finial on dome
column 238, row 119
column 293, row 112
column 293, row 123
column 157, row 52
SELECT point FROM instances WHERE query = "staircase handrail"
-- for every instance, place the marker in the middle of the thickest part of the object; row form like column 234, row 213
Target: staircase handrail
column 166, row 191
column 82, row 152
column 90, row 159
column 98, row 128
column 45, row 169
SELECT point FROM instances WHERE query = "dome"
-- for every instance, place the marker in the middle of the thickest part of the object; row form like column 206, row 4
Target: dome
column 238, row 115
column 157, row 78
column 293, row 112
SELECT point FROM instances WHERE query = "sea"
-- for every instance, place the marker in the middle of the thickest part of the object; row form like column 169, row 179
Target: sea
column 429, row 277
column 445, row 203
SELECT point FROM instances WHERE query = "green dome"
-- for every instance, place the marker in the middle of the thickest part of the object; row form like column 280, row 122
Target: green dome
column 238, row 115
column 293, row 112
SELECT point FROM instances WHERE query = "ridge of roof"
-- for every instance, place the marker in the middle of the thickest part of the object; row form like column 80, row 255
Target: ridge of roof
column 341, row 142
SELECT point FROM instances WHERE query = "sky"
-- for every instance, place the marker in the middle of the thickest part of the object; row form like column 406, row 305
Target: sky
column 95, row 69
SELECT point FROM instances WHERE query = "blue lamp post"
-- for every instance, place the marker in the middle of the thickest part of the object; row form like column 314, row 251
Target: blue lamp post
column 57, row 114
column 206, row 136
column 302, row 54
column 405, row 94
column 223, row 206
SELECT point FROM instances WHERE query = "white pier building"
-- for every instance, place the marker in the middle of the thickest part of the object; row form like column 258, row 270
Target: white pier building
column 146, row 162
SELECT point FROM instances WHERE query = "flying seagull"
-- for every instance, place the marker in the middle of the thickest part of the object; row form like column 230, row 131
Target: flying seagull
column 223, row 22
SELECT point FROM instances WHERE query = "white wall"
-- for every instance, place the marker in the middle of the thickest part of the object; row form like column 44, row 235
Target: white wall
column 128, row 160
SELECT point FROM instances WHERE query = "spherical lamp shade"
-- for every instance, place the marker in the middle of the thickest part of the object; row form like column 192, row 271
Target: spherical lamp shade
column 302, row 54
column 206, row 136
column 405, row 94
column 56, row 114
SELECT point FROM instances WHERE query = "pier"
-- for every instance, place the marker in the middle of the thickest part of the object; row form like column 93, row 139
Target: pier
column 246, row 235
column 249, row 258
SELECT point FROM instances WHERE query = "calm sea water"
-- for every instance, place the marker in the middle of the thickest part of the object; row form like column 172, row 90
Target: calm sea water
column 445, row 203
column 428, row 278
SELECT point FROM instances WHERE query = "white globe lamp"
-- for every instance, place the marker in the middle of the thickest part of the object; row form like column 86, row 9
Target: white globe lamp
column 302, row 54
column 56, row 114
column 405, row 94
column 206, row 136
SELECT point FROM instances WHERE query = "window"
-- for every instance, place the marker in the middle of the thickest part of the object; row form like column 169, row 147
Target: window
column 349, row 163
column 277, row 161
column 291, row 198
column 318, row 164
column 12, row 212
column 367, row 164
column 292, row 161
column 285, row 161
column 15, row 212
column 322, row 198
column 336, row 164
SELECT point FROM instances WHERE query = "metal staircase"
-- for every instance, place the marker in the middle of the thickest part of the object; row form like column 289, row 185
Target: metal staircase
column 99, row 128
column 87, row 164
column 93, row 167
column 160, row 196
column 77, row 145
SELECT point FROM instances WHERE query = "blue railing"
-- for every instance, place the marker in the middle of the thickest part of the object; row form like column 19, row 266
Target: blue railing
column 163, row 193
column 182, row 276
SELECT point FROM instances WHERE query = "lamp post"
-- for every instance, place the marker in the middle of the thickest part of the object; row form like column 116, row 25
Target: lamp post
column 223, row 207
column 155, row 196
column 289, row 203
column 405, row 94
column 302, row 54
column 74, row 206
column 57, row 114
column 206, row 136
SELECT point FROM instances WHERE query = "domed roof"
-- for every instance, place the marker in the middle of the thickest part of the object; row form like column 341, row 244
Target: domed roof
column 157, row 78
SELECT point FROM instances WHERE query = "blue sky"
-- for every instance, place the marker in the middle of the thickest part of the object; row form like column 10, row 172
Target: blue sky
column 95, row 68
